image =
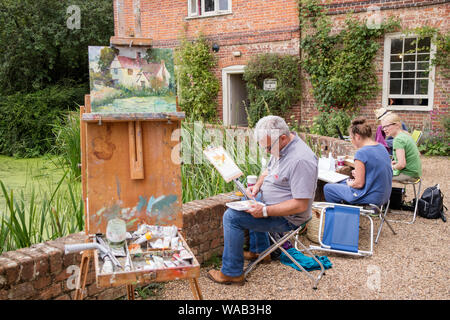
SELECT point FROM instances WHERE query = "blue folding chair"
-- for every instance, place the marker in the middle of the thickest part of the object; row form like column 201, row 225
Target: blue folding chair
column 341, row 229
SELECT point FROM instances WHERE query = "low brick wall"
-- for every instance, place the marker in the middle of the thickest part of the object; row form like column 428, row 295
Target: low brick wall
column 43, row 271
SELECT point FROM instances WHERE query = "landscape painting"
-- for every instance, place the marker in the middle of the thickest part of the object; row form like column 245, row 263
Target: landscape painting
column 131, row 80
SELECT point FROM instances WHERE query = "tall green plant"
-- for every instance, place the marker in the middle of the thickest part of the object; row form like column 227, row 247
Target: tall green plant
column 198, row 86
column 199, row 178
column 67, row 144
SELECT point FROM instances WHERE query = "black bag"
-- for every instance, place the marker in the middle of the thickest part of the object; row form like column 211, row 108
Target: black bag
column 431, row 204
column 397, row 198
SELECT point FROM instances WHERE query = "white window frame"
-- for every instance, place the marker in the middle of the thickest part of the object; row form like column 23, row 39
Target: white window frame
column 386, row 78
column 201, row 13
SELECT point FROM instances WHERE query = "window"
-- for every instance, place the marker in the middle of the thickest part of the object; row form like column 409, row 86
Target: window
column 197, row 8
column 408, row 75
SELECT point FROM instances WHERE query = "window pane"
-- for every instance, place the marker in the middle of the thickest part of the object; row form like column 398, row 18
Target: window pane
column 409, row 57
column 409, row 66
column 396, row 66
column 422, row 74
column 395, row 86
column 396, row 58
column 423, row 57
column 396, row 45
column 408, row 87
column 209, row 5
column 410, row 102
column 422, row 86
column 410, row 45
column 223, row 4
column 194, row 6
column 423, row 45
column 396, row 75
column 422, row 66
column 408, row 74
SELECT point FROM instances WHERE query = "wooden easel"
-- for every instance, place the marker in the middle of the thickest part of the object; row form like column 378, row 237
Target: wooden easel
column 136, row 133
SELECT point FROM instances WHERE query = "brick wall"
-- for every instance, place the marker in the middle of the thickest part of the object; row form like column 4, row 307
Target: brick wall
column 43, row 271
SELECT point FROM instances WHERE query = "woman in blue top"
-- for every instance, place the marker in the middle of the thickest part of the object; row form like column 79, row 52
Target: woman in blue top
column 372, row 177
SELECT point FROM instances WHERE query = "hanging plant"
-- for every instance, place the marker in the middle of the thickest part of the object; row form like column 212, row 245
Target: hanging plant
column 282, row 71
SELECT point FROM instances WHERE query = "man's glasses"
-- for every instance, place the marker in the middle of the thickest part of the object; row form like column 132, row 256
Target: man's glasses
column 387, row 126
column 271, row 146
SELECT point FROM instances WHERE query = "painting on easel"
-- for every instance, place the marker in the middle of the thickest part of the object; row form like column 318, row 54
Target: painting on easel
column 131, row 80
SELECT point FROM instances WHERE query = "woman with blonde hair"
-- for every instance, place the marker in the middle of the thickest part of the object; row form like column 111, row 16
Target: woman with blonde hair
column 406, row 164
column 372, row 177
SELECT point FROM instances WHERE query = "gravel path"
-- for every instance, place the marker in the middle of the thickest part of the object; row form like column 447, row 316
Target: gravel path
column 414, row 264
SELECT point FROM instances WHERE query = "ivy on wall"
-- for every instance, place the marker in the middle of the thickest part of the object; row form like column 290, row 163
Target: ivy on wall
column 197, row 84
column 284, row 69
column 441, row 40
column 340, row 64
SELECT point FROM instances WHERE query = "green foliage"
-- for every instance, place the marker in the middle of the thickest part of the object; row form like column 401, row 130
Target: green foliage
column 340, row 65
column 436, row 135
column 283, row 68
column 325, row 123
column 37, row 48
column 26, row 120
column 198, row 86
column 67, row 144
column 165, row 55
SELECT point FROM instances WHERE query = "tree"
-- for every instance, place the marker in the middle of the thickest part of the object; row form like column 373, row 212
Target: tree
column 38, row 47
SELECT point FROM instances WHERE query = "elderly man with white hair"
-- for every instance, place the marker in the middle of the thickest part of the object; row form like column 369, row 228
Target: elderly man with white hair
column 286, row 187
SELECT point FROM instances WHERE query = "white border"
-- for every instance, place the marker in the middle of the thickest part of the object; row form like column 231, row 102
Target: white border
column 226, row 112
column 386, row 67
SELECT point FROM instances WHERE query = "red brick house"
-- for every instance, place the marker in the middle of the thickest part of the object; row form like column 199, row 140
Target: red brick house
column 243, row 28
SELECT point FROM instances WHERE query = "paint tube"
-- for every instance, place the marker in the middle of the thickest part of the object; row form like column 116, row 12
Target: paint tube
column 159, row 262
column 166, row 242
column 178, row 260
column 174, row 243
column 158, row 244
column 146, row 237
column 169, row 264
column 185, row 255
column 107, row 265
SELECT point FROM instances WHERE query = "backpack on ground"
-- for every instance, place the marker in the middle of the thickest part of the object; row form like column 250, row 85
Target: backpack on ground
column 431, row 204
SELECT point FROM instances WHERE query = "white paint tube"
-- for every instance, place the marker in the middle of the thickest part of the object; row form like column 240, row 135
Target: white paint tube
column 107, row 265
column 146, row 237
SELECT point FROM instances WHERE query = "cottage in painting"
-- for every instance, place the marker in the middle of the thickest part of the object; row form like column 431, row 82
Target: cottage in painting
column 138, row 73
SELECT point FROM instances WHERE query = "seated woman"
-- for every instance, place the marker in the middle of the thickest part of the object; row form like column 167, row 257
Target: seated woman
column 406, row 163
column 380, row 135
column 372, row 182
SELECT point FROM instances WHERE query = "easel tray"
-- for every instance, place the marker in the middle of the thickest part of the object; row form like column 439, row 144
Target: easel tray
column 149, row 265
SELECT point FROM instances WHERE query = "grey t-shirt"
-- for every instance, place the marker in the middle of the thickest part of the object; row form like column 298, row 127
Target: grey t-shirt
column 292, row 176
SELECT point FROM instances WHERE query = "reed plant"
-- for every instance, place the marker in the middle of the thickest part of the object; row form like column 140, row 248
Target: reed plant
column 66, row 151
column 199, row 178
column 47, row 214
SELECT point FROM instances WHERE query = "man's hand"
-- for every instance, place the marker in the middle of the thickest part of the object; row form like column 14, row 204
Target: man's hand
column 256, row 210
column 252, row 191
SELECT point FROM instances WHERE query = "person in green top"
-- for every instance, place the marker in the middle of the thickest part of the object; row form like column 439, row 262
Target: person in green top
column 406, row 164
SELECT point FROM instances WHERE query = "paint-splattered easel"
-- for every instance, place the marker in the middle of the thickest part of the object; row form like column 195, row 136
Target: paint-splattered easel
column 127, row 160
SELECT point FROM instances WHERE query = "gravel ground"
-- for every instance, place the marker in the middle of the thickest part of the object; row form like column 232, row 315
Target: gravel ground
column 414, row 264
